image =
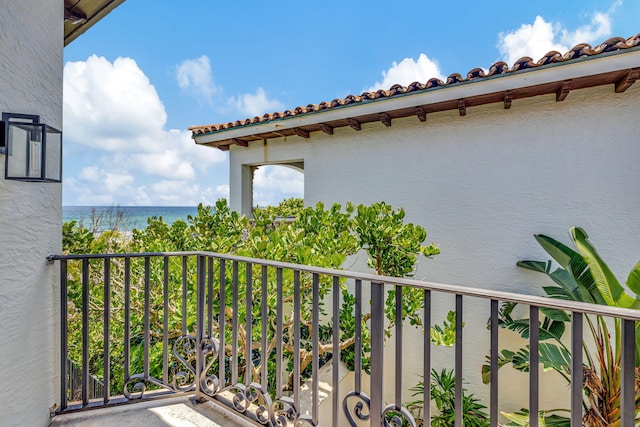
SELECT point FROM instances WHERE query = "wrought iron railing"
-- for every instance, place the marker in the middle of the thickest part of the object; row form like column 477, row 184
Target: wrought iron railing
column 250, row 333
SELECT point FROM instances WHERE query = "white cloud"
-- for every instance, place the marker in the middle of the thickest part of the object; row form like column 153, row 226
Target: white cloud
column 537, row 39
column 532, row 40
column 90, row 173
column 166, row 164
column 107, row 103
column 114, row 123
column 255, row 104
column 408, row 71
column 115, row 181
column 196, row 75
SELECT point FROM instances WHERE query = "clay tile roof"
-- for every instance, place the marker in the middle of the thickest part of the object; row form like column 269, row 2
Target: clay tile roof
column 525, row 63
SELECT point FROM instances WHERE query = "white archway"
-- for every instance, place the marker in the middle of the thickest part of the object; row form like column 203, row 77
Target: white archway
column 273, row 183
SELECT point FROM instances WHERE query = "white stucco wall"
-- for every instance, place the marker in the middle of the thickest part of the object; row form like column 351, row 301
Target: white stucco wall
column 31, row 46
column 482, row 185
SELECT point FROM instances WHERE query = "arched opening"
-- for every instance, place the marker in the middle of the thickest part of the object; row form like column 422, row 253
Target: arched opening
column 276, row 182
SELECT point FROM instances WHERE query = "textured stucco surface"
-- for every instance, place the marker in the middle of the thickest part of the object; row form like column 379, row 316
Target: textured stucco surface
column 30, row 218
column 482, row 185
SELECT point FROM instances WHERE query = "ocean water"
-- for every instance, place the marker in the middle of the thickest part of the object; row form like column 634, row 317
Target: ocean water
column 125, row 218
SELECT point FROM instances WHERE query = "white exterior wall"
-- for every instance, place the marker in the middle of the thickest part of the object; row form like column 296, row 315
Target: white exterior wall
column 482, row 185
column 31, row 44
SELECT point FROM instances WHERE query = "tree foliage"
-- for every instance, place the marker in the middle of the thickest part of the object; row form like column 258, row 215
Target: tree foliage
column 316, row 236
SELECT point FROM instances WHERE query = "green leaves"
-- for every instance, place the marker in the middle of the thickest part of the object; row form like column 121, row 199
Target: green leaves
column 521, row 418
column 290, row 232
column 582, row 276
column 445, row 335
column 612, row 292
column 392, row 244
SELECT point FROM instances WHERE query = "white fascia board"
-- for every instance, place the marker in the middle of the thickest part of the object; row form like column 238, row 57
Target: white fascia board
column 602, row 63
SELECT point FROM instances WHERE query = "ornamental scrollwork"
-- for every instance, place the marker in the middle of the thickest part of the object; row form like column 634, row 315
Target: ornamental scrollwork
column 283, row 412
column 184, row 349
column 135, row 386
column 209, row 384
column 360, row 410
column 393, row 416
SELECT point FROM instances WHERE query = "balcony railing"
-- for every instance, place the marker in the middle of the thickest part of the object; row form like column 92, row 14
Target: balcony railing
column 253, row 335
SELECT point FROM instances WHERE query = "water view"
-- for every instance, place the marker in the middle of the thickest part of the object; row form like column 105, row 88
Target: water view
column 103, row 218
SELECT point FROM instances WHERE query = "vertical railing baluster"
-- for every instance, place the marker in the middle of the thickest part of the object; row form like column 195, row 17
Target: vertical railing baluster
column 398, row 344
column 127, row 314
column 628, row 374
column 357, row 346
column 184, row 294
column 377, row 351
column 335, row 356
column 85, row 331
column 458, row 362
column 576, row 369
column 296, row 339
column 200, row 321
column 426, row 367
column 209, row 297
column 315, row 352
column 106, row 360
column 534, row 371
column 165, row 321
column 249, row 324
column 222, row 323
column 279, row 326
column 264, row 325
column 147, row 314
column 234, row 326
column 493, row 398
column 64, row 345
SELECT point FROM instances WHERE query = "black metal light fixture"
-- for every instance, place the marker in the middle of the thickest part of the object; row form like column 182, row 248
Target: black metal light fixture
column 32, row 150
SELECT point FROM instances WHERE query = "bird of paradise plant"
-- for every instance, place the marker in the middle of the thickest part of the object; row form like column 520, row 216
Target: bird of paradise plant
column 582, row 276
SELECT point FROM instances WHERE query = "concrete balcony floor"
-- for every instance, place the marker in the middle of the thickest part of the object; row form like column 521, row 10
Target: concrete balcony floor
column 170, row 412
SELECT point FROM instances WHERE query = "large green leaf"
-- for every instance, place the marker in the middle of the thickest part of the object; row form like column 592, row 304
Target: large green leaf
column 573, row 263
column 521, row 418
column 610, row 289
column 562, row 254
column 633, row 281
column 555, row 357
column 539, row 266
column 560, row 276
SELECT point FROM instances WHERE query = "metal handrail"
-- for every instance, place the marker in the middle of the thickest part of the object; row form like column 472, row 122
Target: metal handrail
column 198, row 350
column 489, row 294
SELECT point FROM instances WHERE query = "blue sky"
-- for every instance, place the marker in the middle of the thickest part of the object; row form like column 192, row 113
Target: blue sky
column 139, row 78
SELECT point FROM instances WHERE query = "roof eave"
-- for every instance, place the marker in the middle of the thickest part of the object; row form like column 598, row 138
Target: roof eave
column 74, row 31
column 591, row 65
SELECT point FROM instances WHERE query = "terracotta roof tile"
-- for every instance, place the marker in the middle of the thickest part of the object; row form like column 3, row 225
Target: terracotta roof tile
column 579, row 51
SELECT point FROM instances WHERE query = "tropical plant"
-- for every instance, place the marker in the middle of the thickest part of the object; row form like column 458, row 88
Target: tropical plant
column 442, row 386
column 582, row 275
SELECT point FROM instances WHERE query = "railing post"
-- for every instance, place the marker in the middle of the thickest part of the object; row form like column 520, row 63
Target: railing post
column 85, row 332
column 64, row 348
column 534, row 369
column 493, row 401
column 200, row 320
column 576, row 369
column 458, row 364
column 377, row 349
column 628, row 375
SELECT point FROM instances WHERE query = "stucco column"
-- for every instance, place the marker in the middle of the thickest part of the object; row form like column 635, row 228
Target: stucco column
column 31, row 44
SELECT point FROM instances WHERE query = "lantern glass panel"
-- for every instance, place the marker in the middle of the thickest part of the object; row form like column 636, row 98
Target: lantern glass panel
column 53, row 159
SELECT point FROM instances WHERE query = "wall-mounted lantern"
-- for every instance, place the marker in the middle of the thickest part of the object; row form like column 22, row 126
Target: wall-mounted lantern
column 32, row 150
